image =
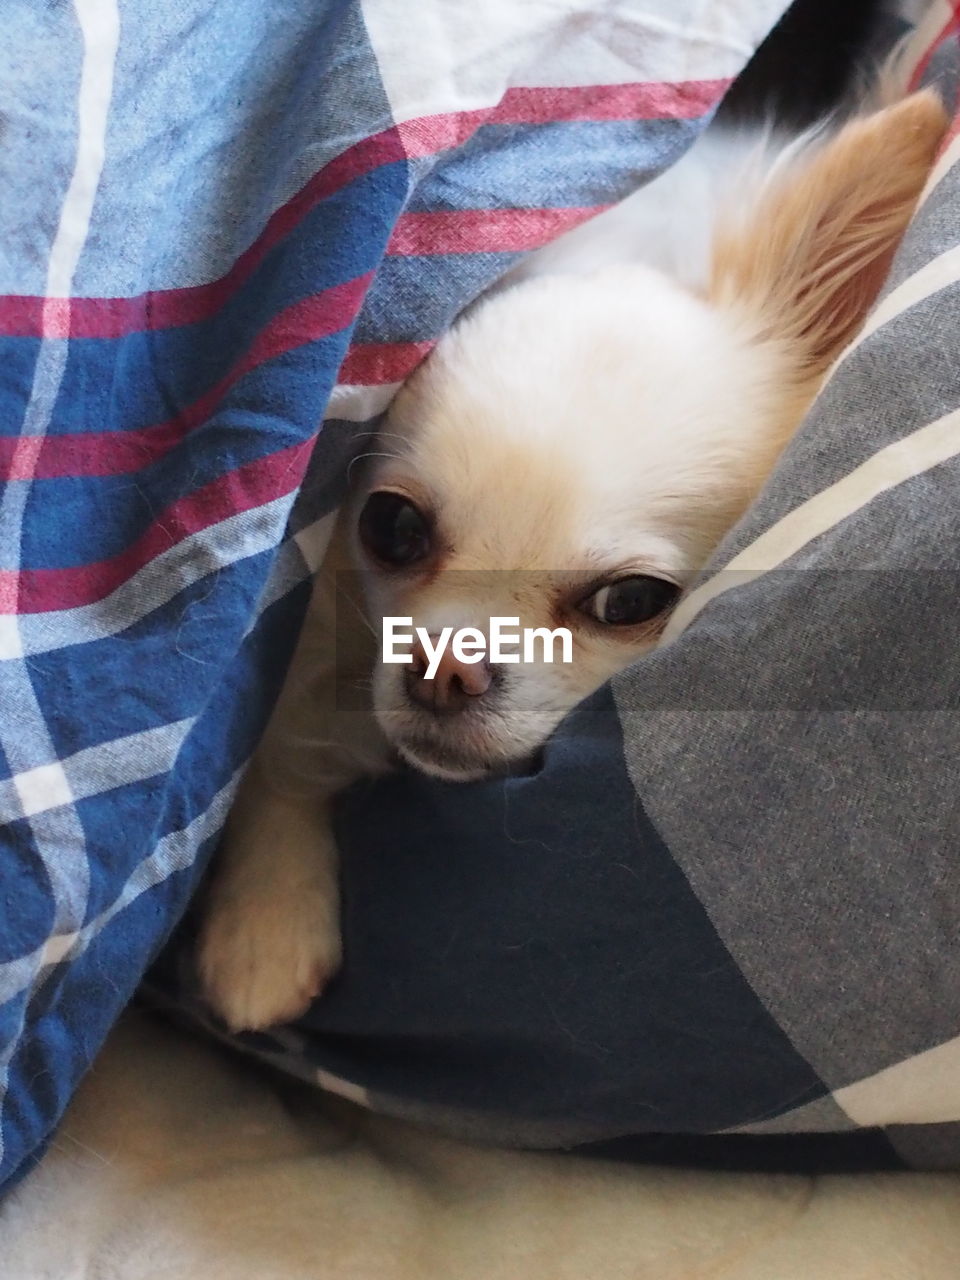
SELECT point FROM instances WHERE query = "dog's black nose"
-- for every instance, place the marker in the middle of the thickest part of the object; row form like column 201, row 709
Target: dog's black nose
column 455, row 684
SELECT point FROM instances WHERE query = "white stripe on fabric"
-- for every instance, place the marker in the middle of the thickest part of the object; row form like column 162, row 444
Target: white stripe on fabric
column 299, row 558
column 935, row 275
column 100, row 23
column 132, row 758
column 176, row 852
column 356, row 1093
column 924, row 1089
column 891, row 466
column 314, row 539
column 39, row 789
column 11, row 642
column 57, row 946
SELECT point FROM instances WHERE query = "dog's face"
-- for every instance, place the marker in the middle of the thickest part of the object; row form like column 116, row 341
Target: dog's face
column 574, row 450
column 554, row 462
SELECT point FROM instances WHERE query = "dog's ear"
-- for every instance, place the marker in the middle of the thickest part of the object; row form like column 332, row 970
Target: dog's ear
column 809, row 261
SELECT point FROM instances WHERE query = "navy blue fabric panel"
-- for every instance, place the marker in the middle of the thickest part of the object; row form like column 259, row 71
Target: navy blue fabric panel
column 26, row 912
column 530, row 947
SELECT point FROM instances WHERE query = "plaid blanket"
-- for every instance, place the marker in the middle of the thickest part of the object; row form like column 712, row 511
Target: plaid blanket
column 227, row 222
column 226, row 225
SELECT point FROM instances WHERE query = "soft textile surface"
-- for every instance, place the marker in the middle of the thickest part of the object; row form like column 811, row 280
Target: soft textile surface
column 174, row 1164
column 729, row 899
column 728, row 902
column 203, row 205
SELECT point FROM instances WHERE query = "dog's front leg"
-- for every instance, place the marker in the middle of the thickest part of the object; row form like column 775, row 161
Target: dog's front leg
column 270, row 941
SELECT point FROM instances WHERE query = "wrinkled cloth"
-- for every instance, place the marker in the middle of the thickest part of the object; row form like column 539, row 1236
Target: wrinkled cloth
column 222, row 225
column 718, row 925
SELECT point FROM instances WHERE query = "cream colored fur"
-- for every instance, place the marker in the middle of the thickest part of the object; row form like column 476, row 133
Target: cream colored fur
column 572, row 429
column 176, row 1162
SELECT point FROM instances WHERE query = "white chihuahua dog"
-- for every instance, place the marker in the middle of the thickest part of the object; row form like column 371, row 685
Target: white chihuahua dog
column 569, row 455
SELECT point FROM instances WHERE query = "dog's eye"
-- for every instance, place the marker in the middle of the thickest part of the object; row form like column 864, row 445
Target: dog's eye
column 630, row 601
column 393, row 529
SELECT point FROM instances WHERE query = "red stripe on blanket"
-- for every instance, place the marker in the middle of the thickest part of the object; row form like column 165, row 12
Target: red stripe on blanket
column 33, row 317
column 247, row 487
column 686, row 100
column 371, row 364
column 683, row 100
column 104, row 453
column 482, row 230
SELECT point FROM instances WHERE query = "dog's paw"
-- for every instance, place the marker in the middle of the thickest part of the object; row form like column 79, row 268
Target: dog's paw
column 263, row 962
